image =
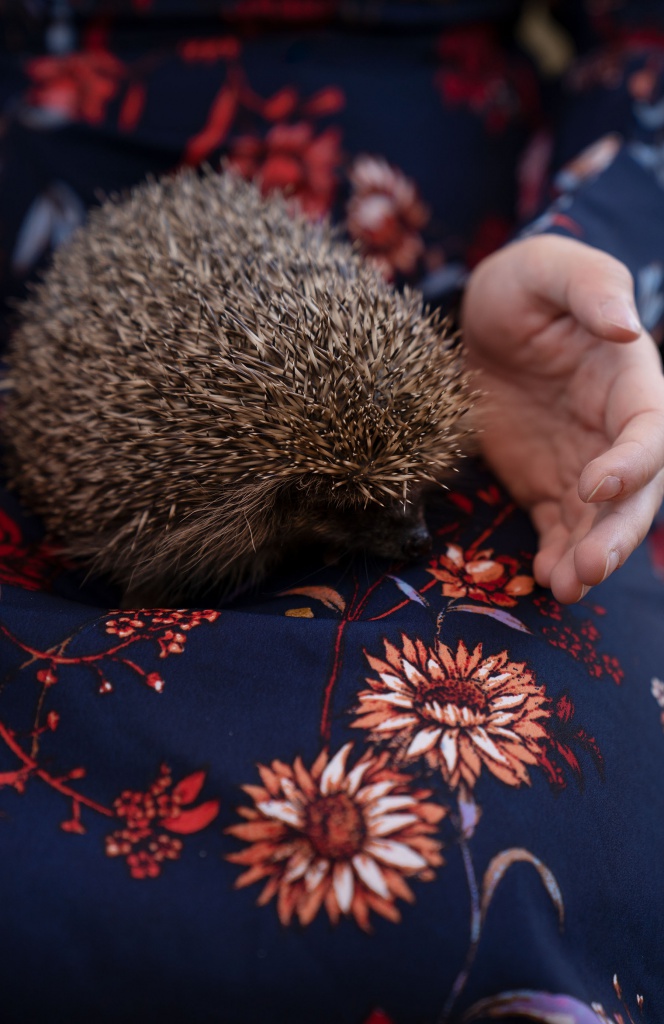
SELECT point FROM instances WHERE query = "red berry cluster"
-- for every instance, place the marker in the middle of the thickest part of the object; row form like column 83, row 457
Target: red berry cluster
column 167, row 627
column 580, row 642
column 549, row 607
column 144, row 849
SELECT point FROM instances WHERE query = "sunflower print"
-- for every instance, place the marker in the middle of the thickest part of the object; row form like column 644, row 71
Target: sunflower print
column 343, row 839
column 461, row 711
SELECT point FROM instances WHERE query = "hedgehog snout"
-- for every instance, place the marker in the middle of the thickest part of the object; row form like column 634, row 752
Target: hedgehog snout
column 416, row 542
column 395, row 534
column 405, row 542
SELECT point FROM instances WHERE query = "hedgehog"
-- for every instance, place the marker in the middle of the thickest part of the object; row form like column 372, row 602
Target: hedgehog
column 205, row 380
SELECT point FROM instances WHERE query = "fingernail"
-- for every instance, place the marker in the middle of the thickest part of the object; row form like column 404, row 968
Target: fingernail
column 611, row 564
column 584, row 591
column 608, row 487
column 621, row 314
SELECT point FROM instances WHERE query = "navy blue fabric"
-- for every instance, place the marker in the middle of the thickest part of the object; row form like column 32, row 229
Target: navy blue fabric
column 364, row 793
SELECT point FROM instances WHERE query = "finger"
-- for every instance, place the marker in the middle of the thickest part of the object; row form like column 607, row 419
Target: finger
column 565, row 585
column 634, row 460
column 553, row 546
column 634, row 416
column 559, row 524
column 556, row 546
column 617, row 531
column 595, row 288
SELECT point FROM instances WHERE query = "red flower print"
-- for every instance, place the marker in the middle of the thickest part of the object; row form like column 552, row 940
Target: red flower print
column 30, row 566
column 459, row 710
column 565, row 733
column 490, row 235
column 210, row 50
column 336, row 837
column 77, row 87
column 549, row 606
column 579, row 639
column 160, row 807
column 168, row 628
column 476, row 73
column 294, row 160
column 604, row 68
column 385, row 215
column 480, row 576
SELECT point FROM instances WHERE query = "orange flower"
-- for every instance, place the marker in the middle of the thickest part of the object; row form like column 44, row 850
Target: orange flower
column 459, row 711
column 292, row 159
column 343, row 839
column 481, row 576
column 385, row 215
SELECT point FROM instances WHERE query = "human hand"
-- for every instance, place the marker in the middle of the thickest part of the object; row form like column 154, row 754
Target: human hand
column 572, row 415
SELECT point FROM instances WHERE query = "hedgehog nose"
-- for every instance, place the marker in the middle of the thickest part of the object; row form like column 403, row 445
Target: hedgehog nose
column 417, row 543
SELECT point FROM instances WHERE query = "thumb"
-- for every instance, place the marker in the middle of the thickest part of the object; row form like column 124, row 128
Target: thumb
column 597, row 289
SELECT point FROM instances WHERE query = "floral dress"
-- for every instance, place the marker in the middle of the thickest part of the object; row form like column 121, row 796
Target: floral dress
column 365, row 792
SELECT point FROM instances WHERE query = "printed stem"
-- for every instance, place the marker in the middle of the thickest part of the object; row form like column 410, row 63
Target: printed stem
column 62, row 646
column 402, row 604
column 475, row 932
column 58, row 659
column 326, row 716
column 34, row 750
column 363, row 602
column 46, row 777
column 132, row 664
column 441, row 615
column 390, row 611
column 498, row 521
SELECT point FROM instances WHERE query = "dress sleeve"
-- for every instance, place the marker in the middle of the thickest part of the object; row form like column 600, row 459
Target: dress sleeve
column 607, row 186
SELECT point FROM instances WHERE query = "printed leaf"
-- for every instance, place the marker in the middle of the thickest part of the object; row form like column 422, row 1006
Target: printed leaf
column 499, row 865
column 469, row 813
column 409, row 591
column 214, row 132
column 329, row 100
column 494, row 613
column 299, row 613
column 538, row 1006
column 651, row 115
column 329, row 597
column 34, row 234
column 132, row 107
column 188, row 789
column 193, row 820
column 657, row 690
column 281, row 105
column 462, row 502
column 49, row 221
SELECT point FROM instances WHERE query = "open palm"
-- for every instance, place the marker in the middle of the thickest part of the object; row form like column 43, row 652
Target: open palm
column 572, row 413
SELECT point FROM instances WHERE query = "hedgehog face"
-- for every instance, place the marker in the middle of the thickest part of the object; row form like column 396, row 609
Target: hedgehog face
column 394, row 530
column 389, row 532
